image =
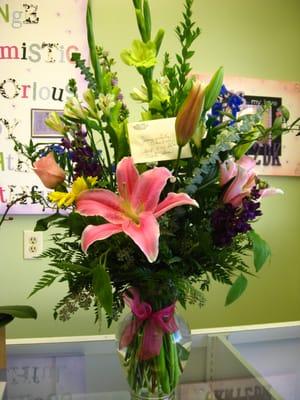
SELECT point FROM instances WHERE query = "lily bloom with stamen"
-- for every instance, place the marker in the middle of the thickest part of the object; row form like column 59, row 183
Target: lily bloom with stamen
column 134, row 211
column 243, row 178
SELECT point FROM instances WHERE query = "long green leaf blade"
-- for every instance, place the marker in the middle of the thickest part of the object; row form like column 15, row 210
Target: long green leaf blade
column 102, row 287
column 236, row 290
column 261, row 250
column 8, row 313
column 213, row 89
column 92, row 47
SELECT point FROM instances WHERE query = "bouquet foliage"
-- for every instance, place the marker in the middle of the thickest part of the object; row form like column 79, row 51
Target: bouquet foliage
column 168, row 228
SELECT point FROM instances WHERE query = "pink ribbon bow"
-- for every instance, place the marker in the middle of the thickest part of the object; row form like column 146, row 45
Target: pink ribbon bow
column 157, row 323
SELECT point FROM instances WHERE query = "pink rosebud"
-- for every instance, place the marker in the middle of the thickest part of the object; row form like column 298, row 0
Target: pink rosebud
column 49, row 172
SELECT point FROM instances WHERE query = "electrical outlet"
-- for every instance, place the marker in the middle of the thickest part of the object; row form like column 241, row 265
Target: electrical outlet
column 33, row 244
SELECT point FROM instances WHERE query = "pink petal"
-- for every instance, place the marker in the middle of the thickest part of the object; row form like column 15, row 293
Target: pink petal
column 100, row 202
column 127, row 177
column 247, row 162
column 92, row 233
column 50, row 173
column 241, row 185
column 148, row 189
column 174, row 200
column 270, row 192
column 145, row 234
column 237, row 200
column 228, row 170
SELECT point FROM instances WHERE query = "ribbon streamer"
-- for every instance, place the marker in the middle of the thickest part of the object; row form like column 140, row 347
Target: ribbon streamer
column 157, row 323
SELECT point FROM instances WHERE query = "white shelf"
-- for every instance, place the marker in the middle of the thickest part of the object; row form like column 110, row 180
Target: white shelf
column 233, row 360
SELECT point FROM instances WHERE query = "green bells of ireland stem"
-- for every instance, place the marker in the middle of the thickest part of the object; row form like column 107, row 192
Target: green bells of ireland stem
column 189, row 114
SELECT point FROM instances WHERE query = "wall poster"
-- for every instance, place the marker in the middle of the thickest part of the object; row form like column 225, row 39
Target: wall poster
column 37, row 39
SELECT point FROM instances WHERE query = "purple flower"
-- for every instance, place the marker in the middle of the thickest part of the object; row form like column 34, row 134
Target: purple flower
column 66, row 143
column 114, row 82
column 229, row 221
column 81, row 154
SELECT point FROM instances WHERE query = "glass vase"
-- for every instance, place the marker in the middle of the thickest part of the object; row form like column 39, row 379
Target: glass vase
column 153, row 376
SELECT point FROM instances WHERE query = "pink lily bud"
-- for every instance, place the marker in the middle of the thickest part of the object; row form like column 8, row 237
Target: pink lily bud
column 49, row 172
column 189, row 114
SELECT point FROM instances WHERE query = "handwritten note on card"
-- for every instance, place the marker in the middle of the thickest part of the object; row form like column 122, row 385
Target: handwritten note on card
column 154, row 140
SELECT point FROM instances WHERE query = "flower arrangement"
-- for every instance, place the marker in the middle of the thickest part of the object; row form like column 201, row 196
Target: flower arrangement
column 151, row 234
column 181, row 222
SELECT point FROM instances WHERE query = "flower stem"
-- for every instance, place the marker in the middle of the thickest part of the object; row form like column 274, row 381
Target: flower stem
column 96, row 151
column 108, row 159
column 177, row 161
column 149, row 88
column 10, row 205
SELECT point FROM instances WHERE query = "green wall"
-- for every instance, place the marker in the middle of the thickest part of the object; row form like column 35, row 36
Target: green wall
column 253, row 39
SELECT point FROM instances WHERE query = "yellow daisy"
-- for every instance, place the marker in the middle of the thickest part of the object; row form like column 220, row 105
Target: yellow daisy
column 63, row 199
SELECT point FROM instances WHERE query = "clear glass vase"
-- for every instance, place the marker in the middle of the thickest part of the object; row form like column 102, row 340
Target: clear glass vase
column 154, row 377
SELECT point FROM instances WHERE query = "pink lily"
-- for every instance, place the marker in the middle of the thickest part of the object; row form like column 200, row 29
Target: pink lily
column 240, row 187
column 243, row 180
column 270, row 191
column 134, row 211
column 229, row 168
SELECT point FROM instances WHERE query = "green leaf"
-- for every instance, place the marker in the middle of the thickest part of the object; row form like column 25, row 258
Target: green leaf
column 77, row 222
column 183, row 353
column 236, row 290
column 213, row 89
column 241, row 149
column 74, row 267
column 141, row 25
column 137, row 3
column 102, row 286
column 85, row 71
column 147, row 19
column 158, row 39
column 43, row 224
column 285, row 112
column 47, row 279
column 92, row 47
column 8, row 313
column 261, row 250
column 75, row 57
column 92, row 124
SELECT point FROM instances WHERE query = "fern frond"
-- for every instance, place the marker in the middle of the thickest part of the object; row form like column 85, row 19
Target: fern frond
column 47, row 279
